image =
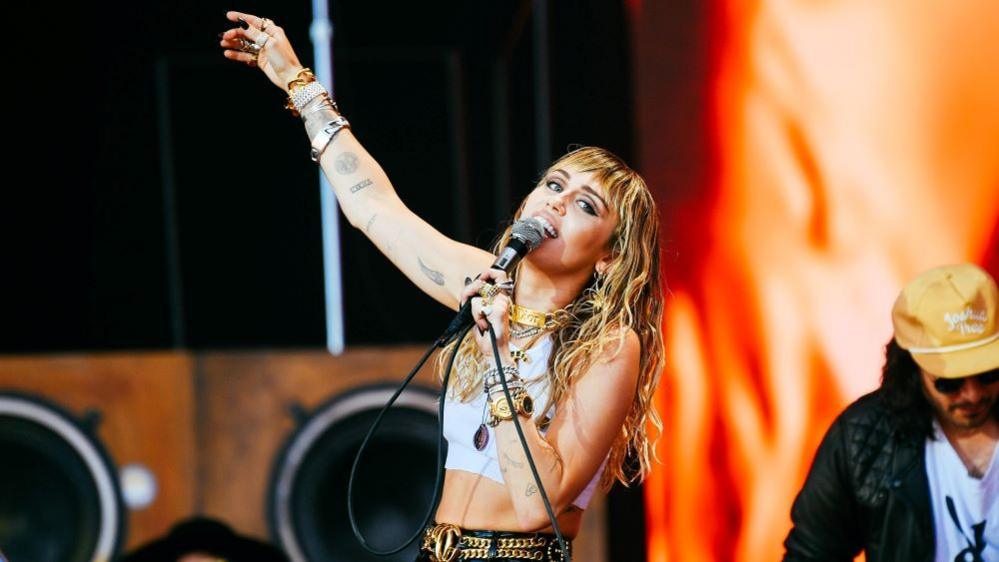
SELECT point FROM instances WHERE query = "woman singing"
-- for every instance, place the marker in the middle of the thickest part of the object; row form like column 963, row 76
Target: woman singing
column 577, row 326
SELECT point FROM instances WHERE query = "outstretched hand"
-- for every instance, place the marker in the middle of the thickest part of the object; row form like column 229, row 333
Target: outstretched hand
column 276, row 57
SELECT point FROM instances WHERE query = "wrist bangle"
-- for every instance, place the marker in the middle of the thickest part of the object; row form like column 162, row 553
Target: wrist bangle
column 320, row 103
column 302, row 77
column 497, row 390
column 326, row 135
column 491, row 376
column 301, row 96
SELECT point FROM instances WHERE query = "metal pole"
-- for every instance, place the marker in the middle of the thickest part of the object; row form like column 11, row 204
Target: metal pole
column 321, row 33
column 542, row 88
column 175, row 283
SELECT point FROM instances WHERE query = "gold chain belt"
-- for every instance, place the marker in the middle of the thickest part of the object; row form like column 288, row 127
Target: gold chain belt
column 445, row 543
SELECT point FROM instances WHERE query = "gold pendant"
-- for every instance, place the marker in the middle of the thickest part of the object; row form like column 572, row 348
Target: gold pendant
column 520, row 356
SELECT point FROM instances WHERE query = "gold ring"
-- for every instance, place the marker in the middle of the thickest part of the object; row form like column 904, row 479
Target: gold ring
column 505, row 286
column 488, row 291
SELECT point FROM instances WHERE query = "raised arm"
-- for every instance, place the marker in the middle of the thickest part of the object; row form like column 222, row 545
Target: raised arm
column 434, row 262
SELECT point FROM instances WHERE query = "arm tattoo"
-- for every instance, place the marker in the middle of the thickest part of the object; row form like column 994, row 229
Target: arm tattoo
column 371, row 221
column 530, row 490
column 345, row 163
column 435, row 276
column 360, row 186
column 513, row 462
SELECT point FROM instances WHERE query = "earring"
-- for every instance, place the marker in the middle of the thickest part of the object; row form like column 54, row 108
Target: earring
column 598, row 299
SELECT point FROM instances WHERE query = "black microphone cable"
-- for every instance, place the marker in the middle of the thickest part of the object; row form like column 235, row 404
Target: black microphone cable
column 566, row 555
column 438, row 483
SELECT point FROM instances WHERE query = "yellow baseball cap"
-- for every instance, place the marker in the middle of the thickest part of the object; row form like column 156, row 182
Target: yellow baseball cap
column 946, row 318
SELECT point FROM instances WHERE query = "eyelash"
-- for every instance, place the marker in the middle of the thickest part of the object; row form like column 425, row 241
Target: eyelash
column 589, row 209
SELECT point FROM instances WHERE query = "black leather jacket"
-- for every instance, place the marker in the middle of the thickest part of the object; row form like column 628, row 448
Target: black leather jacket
column 867, row 489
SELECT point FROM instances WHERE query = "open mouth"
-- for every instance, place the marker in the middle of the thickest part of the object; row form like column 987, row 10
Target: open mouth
column 549, row 228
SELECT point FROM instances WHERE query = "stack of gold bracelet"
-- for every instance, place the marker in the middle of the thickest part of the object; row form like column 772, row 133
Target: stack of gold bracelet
column 303, row 77
column 500, row 409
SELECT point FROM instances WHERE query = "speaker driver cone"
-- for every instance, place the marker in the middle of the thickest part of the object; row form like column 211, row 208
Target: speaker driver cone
column 59, row 495
column 308, row 494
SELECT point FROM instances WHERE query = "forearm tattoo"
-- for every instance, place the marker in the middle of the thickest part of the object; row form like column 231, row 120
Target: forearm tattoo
column 530, row 490
column 513, row 462
column 359, row 186
column 435, row 276
column 371, row 221
column 346, row 163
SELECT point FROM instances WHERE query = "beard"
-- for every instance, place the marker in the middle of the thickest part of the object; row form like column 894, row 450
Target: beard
column 968, row 415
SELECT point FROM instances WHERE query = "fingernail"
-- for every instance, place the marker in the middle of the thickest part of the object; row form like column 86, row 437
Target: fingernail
column 468, row 280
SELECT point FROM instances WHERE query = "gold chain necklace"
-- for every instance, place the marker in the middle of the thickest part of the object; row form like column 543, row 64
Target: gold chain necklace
column 536, row 318
column 538, row 324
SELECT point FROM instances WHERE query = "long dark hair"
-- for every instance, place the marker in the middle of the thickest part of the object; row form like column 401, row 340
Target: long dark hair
column 902, row 393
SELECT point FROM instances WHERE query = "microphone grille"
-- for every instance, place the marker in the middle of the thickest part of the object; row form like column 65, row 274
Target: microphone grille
column 530, row 231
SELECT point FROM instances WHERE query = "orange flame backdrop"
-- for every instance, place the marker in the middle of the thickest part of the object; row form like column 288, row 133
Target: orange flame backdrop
column 810, row 158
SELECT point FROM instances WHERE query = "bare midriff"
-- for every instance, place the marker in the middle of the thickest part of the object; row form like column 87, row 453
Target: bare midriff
column 473, row 501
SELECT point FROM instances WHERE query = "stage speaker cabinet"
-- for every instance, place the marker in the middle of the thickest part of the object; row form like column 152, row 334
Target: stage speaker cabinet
column 261, row 440
column 280, row 434
column 68, row 424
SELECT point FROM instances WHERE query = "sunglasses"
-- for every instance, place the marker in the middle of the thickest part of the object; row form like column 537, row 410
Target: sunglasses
column 950, row 386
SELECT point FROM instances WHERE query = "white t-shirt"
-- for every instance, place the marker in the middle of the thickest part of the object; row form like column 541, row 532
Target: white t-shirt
column 965, row 509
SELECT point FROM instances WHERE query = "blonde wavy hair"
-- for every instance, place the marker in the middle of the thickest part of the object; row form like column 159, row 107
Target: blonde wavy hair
column 629, row 294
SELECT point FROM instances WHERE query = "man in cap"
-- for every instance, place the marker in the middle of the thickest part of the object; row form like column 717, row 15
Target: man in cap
column 910, row 471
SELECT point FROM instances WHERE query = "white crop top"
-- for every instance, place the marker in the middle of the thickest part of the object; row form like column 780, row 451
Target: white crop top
column 461, row 419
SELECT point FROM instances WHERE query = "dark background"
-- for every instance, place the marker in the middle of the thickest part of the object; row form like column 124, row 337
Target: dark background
column 177, row 207
column 158, row 196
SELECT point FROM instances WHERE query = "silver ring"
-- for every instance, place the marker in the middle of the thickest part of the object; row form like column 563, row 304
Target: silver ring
column 506, row 286
column 262, row 40
column 249, row 47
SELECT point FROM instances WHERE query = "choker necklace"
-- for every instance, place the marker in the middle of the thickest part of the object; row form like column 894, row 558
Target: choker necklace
column 534, row 318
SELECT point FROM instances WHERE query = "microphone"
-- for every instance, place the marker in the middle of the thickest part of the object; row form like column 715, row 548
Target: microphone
column 525, row 236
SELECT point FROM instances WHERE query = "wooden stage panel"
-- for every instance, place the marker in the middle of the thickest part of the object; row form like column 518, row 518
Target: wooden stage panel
column 210, row 425
column 146, row 402
column 245, row 419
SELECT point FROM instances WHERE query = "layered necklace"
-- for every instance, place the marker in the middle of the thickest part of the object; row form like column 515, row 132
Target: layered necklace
column 524, row 323
column 529, row 323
